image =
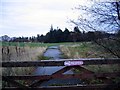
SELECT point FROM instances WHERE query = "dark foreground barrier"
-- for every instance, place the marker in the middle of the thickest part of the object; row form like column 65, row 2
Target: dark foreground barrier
column 68, row 65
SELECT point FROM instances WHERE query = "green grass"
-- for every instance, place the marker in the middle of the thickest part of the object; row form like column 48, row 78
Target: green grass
column 33, row 44
column 22, row 44
column 43, row 58
column 85, row 50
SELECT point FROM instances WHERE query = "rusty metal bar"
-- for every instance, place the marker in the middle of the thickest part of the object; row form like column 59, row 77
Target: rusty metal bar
column 58, row 74
column 47, row 77
column 62, row 70
column 83, row 70
column 28, row 77
column 61, row 62
column 37, row 83
column 75, row 87
column 32, row 63
column 54, row 75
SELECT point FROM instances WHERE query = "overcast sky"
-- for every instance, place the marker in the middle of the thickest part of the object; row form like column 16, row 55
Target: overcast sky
column 32, row 17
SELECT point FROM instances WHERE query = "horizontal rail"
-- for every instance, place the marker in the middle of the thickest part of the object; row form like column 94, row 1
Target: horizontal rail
column 61, row 62
column 46, row 77
column 75, row 87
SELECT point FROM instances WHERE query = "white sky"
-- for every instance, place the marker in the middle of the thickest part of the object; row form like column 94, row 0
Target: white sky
column 32, row 17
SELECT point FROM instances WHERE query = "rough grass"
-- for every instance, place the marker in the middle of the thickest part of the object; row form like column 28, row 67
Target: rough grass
column 89, row 50
column 33, row 44
column 43, row 57
column 84, row 50
column 20, row 53
column 13, row 53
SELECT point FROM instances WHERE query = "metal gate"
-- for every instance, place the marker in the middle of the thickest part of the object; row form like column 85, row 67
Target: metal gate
column 68, row 65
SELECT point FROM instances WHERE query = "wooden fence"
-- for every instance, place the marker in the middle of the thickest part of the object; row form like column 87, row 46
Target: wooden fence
column 68, row 65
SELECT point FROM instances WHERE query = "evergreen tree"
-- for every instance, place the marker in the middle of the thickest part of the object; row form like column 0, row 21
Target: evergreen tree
column 66, row 35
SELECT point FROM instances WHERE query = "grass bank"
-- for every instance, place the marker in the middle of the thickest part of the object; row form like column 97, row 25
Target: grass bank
column 20, row 53
column 84, row 50
column 90, row 50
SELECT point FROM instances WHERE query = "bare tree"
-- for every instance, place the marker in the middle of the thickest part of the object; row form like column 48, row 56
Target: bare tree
column 102, row 16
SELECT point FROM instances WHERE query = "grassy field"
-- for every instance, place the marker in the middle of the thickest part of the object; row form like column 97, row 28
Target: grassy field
column 33, row 44
column 21, row 52
column 91, row 50
column 84, row 50
column 34, row 51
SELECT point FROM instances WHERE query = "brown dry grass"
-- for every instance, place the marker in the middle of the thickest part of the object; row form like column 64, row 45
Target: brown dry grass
column 13, row 53
column 89, row 50
column 84, row 50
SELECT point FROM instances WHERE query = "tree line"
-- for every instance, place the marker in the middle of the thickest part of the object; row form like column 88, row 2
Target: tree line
column 57, row 35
